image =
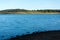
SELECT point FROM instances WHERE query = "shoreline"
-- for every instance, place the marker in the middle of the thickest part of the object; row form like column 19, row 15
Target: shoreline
column 49, row 35
column 25, row 11
column 29, row 12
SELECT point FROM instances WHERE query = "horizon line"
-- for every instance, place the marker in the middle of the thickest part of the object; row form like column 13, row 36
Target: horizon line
column 29, row 9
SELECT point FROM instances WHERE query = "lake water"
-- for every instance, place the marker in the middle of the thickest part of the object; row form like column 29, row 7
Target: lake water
column 19, row 24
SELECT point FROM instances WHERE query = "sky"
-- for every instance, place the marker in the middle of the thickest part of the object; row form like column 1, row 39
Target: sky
column 29, row 4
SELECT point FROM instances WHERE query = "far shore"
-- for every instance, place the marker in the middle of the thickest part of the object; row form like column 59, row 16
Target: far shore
column 29, row 12
column 24, row 11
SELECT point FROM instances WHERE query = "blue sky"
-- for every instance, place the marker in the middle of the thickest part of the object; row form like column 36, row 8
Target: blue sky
column 29, row 4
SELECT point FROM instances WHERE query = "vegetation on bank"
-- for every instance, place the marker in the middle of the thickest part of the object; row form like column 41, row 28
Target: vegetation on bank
column 23, row 11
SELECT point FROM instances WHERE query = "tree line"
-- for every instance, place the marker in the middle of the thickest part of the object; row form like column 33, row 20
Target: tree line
column 24, row 10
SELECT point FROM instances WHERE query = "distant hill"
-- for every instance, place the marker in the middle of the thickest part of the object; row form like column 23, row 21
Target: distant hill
column 22, row 11
column 14, row 10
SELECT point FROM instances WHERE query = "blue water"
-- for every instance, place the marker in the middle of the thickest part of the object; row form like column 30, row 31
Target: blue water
column 19, row 24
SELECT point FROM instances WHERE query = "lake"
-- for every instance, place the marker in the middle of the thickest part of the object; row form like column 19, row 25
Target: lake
column 19, row 24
